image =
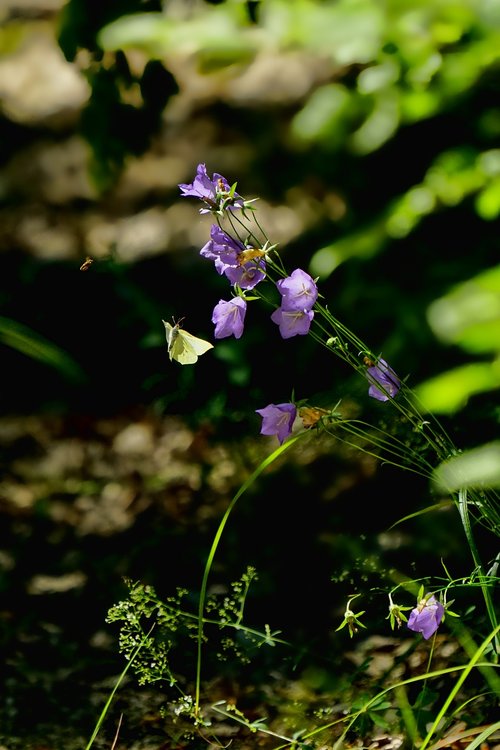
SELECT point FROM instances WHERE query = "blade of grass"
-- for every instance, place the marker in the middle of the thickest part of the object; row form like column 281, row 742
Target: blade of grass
column 458, row 684
column 203, row 590
column 112, row 694
column 29, row 342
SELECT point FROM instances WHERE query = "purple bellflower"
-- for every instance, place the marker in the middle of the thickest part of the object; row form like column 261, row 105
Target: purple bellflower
column 222, row 249
column 227, row 253
column 247, row 275
column 292, row 322
column 229, row 318
column 298, row 291
column 426, row 616
column 382, row 374
column 215, row 193
column 298, row 295
column 277, row 419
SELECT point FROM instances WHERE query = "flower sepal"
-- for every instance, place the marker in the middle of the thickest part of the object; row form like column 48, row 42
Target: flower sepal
column 396, row 615
column 351, row 619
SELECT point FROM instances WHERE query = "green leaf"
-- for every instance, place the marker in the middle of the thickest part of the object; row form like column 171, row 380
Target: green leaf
column 470, row 314
column 29, row 342
column 220, row 33
column 479, row 467
column 448, row 392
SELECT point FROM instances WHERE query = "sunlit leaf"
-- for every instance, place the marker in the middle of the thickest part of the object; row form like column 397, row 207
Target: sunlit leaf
column 488, row 201
column 213, row 30
column 470, row 314
column 29, row 342
column 326, row 110
column 476, row 468
column 448, row 392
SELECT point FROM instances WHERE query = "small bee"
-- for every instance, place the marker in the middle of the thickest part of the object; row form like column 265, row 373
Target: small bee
column 86, row 264
column 250, row 254
column 368, row 362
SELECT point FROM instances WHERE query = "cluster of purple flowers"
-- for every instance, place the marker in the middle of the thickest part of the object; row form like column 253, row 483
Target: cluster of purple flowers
column 298, row 295
column 245, row 266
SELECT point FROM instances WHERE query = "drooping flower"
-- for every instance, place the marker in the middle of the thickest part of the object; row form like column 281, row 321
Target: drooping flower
column 247, row 275
column 396, row 613
column 227, row 252
column 292, row 322
column 426, row 616
column 229, row 318
column 222, row 249
column 215, row 193
column 351, row 619
column 277, row 419
column 298, row 291
column 382, row 374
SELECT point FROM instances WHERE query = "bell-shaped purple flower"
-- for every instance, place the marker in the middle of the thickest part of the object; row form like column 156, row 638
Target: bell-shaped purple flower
column 385, row 383
column 222, row 249
column 248, row 275
column 215, row 193
column 229, row 318
column 292, row 322
column 227, row 254
column 426, row 616
column 278, row 419
column 298, row 291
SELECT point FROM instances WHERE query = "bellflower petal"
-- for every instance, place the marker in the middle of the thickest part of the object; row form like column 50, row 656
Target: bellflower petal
column 299, row 291
column 222, row 249
column 229, row 318
column 292, row 322
column 248, row 275
column 426, row 617
column 215, row 192
column 277, row 419
column 382, row 374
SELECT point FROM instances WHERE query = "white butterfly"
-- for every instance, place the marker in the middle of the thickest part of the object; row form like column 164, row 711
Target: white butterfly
column 183, row 346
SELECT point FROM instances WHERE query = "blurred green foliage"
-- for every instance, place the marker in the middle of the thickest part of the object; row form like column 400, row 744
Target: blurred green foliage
column 469, row 317
column 393, row 147
column 29, row 342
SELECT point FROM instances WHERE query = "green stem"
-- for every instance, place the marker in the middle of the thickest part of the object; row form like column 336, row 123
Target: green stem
column 117, row 685
column 472, row 663
column 483, row 580
column 203, row 591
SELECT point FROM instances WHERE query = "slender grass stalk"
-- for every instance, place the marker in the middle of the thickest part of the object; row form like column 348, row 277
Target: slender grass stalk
column 406, row 711
column 117, row 685
column 465, row 673
column 208, row 565
column 485, row 734
column 490, row 608
column 464, row 637
column 354, row 716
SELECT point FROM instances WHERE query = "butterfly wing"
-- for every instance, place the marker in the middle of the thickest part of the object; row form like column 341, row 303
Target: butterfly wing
column 189, row 348
column 183, row 346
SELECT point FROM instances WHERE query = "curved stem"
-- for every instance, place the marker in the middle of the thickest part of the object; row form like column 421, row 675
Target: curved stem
column 483, row 579
column 208, row 565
